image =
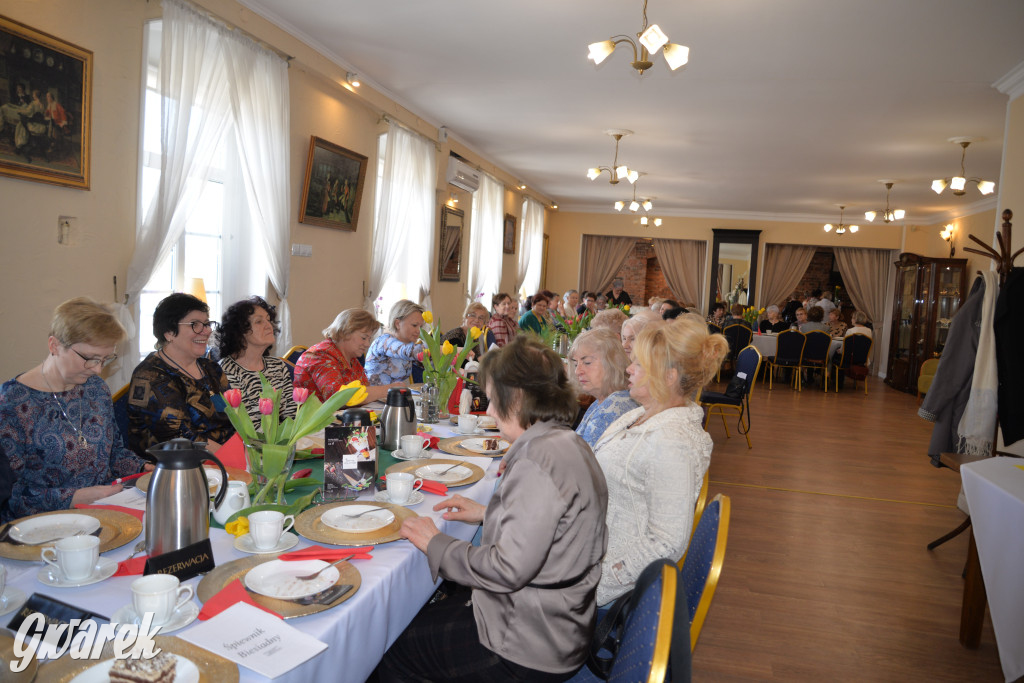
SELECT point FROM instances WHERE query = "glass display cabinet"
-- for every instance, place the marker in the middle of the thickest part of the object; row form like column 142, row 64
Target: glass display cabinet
column 928, row 294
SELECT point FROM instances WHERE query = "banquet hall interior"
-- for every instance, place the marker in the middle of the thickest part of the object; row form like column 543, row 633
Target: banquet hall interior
column 789, row 122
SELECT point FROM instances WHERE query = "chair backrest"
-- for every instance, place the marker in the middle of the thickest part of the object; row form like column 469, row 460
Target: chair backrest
column 698, row 510
column 714, row 329
column 292, row 357
column 816, row 345
column 703, row 563
column 856, row 350
column 790, row 346
column 924, row 380
column 748, row 361
column 738, row 336
column 121, row 412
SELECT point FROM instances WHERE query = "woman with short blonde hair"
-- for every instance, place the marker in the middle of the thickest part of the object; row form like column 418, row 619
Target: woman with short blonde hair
column 390, row 356
column 654, row 457
column 326, row 367
column 598, row 364
column 609, row 319
column 632, row 327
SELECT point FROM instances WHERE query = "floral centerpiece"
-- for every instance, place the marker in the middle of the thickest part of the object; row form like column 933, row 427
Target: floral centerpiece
column 751, row 314
column 270, row 449
column 573, row 325
column 441, row 364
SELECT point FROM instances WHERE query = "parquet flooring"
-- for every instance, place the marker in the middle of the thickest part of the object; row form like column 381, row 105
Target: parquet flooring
column 826, row 574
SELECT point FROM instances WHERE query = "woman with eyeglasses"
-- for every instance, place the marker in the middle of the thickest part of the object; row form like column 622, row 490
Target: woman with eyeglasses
column 57, row 426
column 476, row 315
column 176, row 391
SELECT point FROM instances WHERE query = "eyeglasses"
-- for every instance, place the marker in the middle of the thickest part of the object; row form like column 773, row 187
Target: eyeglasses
column 93, row 363
column 198, row 325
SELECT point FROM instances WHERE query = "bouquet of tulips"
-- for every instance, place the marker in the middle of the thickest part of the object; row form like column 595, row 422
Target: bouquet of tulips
column 441, row 363
column 751, row 314
column 270, row 449
column 573, row 325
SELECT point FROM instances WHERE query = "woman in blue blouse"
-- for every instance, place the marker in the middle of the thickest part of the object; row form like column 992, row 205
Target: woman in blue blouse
column 390, row 356
column 535, row 319
column 600, row 369
column 57, row 425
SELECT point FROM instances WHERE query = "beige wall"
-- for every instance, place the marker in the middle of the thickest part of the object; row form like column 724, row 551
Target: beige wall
column 1011, row 180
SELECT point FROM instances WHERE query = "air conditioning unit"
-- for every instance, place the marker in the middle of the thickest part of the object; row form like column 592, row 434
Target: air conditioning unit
column 462, row 175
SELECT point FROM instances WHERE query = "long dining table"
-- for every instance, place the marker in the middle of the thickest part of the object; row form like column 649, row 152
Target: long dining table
column 396, row 583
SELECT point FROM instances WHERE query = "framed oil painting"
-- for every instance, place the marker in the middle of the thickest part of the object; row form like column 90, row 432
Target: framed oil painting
column 450, row 251
column 333, row 188
column 508, row 242
column 45, row 107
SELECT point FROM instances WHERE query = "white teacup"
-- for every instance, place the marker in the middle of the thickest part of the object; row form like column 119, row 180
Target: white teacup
column 75, row 557
column 467, row 424
column 213, row 480
column 401, row 485
column 413, row 445
column 267, row 526
column 160, row 594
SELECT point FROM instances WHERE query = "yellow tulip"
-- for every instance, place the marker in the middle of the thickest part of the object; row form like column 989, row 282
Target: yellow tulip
column 239, row 527
column 354, row 384
column 447, row 347
column 428, row 317
column 475, row 332
column 357, row 397
column 626, row 308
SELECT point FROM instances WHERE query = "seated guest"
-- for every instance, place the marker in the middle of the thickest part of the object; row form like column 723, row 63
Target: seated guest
column 390, row 356
column 735, row 317
column 553, row 301
column 717, row 316
column 860, row 321
column 826, row 304
column 570, row 300
column 654, row 303
column 668, row 304
column 535, row 319
column 533, row 576
column 631, row 328
column 599, row 364
column 245, row 338
column 673, row 313
column 175, row 392
column 799, row 318
column 58, row 434
column 588, row 303
column 654, row 457
column 503, row 326
column 814, row 320
column 476, row 315
column 773, row 321
column 789, row 312
column 618, row 296
column 836, row 326
column 600, row 302
column 331, row 364
column 610, row 318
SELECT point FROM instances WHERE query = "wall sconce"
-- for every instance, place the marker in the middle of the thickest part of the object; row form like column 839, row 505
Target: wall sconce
column 522, row 186
column 947, row 234
column 352, row 79
column 452, row 200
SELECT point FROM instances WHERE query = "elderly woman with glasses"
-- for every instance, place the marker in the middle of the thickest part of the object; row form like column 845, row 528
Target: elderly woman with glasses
column 57, row 425
column 176, row 391
column 476, row 315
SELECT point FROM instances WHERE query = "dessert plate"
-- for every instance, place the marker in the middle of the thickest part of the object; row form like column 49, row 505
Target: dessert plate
column 344, row 518
column 277, row 579
column 39, row 529
column 434, row 473
column 185, row 671
column 485, row 446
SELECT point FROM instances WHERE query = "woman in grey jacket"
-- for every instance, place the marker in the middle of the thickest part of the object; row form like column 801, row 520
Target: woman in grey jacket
column 535, row 573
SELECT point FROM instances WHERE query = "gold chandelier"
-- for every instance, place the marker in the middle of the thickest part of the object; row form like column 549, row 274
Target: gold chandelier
column 651, row 39
column 636, row 204
column 888, row 215
column 958, row 183
column 841, row 229
column 615, row 171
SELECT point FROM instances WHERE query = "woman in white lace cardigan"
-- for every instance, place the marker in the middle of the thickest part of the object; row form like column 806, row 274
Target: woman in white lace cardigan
column 654, row 457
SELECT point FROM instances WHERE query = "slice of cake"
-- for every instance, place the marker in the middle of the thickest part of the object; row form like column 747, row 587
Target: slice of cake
column 159, row 669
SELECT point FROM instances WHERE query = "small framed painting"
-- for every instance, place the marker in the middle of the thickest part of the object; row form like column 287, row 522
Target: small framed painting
column 333, row 188
column 508, row 242
column 45, row 107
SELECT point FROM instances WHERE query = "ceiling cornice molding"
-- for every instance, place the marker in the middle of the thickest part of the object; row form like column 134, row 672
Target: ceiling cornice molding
column 1012, row 83
column 980, row 206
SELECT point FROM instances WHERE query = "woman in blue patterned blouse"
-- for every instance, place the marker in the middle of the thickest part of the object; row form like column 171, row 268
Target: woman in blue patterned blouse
column 600, row 370
column 57, row 425
column 390, row 356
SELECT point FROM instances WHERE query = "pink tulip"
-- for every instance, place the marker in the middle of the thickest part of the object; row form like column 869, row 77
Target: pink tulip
column 233, row 397
column 266, row 406
column 299, row 395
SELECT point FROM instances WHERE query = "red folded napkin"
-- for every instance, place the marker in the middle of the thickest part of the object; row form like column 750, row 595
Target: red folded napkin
column 232, row 453
column 302, row 474
column 429, row 486
column 432, row 441
column 118, row 508
column 131, row 567
column 228, row 596
column 318, row 552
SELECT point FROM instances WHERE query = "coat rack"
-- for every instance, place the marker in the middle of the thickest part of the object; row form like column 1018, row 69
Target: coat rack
column 1004, row 261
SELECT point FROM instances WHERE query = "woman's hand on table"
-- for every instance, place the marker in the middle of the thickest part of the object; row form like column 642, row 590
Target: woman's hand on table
column 462, row 509
column 419, row 531
column 90, row 494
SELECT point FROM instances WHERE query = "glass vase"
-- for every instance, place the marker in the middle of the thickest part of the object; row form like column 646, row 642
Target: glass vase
column 269, row 465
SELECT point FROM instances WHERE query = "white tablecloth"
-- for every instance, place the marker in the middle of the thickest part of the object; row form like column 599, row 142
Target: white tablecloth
column 995, row 494
column 395, row 585
column 768, row 344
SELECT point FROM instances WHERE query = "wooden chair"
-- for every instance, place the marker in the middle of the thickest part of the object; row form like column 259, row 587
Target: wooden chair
column 747, row 363
column 703, row 564
column 924, row 379
column 815, row 356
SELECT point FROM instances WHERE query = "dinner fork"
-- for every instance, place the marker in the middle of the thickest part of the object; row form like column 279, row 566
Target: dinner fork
column 310, row 577
column 80, row 532
column 448, row 469
column 365, row 512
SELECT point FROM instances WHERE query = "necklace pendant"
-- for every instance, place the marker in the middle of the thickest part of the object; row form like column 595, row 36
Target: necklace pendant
column 83, row 441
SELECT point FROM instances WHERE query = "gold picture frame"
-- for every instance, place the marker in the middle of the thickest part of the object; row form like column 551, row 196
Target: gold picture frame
column 333, row 187
column 45, row 107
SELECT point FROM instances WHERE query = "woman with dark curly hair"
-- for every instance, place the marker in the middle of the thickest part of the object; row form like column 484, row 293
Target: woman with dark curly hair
column 245, row 337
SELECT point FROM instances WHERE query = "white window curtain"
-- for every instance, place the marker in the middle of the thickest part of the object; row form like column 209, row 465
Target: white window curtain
column 486, row 228
column 403, row 238
column 213, row 82
column 531, row 248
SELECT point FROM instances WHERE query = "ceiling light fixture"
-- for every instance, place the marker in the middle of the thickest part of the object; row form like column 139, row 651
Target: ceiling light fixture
column 352, row 79
column 651, row 39
column 958, row 183
column 888, row 215
column 947, row 234
column 635, row 204
column 644, row 221
column 841, row 229
column 615, row 171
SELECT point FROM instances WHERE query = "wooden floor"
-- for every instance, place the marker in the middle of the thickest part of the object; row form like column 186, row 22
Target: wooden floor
column 826, row 574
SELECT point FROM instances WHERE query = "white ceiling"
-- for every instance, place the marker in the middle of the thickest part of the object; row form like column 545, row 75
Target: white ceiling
column 786, row 109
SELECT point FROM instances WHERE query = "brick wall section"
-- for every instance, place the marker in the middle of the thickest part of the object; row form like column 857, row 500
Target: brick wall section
column 818, row 273
column 642, row 276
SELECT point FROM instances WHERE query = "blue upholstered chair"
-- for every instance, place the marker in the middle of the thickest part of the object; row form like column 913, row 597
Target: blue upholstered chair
column 747, row 365
column 292, row 357
column 121, row 412
column 702, row 565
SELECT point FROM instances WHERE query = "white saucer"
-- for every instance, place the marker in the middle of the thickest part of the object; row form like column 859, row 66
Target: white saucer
column 105, row 568
column 399, row 454
column 244, row 543
column 476, row 432
column 182, row 617
column 12, row 599
column 415, row 499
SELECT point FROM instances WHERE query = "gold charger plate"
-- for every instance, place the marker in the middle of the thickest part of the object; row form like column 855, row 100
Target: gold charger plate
column 308, row 525
column 7, row 656
column 116, row 529
column 453, row 445
column 234, row 474
column 224, row 574
column 412, row 465
column 212, row 668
